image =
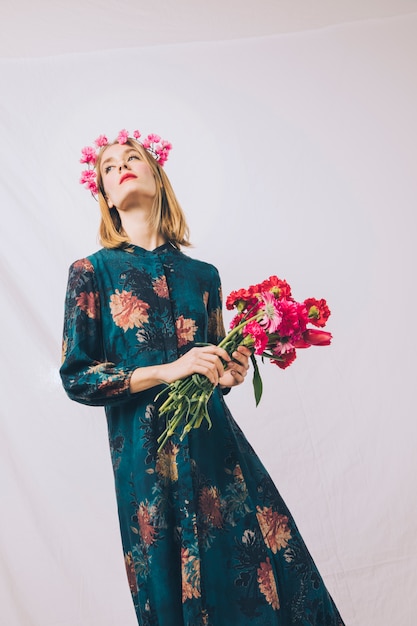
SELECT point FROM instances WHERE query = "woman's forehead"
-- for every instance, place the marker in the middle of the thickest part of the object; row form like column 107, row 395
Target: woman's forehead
column 117, row 150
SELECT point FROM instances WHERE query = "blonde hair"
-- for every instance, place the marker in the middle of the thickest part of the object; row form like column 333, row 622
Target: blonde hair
column 167, row 216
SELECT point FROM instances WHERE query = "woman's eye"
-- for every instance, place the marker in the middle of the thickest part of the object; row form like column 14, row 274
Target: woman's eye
column 108, row 169
column 133, row 156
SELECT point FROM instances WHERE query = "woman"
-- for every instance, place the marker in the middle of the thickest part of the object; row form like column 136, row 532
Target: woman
column 207, row 538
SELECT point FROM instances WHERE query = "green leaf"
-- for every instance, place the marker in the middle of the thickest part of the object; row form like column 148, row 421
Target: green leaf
column 257, row 380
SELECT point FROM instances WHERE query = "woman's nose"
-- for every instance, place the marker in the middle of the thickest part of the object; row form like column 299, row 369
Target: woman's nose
column 122, row 165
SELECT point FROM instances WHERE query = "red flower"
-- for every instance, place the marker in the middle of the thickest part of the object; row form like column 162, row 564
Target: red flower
column 238, row 299
column 280, row 288
column 236, row 320
column 318, row 311
column 285, row 359
column 316, row 337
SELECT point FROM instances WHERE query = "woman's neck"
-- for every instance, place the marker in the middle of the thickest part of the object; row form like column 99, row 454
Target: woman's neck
column 136, row 226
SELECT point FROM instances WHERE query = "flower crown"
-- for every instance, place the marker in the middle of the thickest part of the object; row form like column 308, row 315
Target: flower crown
column 157, row 147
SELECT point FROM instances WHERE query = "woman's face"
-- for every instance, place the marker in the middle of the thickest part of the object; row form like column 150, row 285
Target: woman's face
column 127, row 177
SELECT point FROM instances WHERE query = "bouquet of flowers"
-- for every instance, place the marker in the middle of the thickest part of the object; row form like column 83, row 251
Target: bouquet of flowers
column 270, row 322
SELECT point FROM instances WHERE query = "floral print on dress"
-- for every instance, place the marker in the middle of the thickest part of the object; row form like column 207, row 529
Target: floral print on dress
column 190, row 572
column 131, row 574
column 127, row 310
column 89, row 303
column 267, row 583
column 166, row 464
column 274, row 527
column 186, row 330
column 146, row 528
column 210, row 506
column 160, row 286
column 83, row 265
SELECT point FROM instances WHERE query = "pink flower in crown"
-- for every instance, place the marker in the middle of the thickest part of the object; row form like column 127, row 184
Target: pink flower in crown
column 101, row 141
column 87, row 176
column 92, row 186
column 159, row 148
column 123, row 136
column 88, row 155
column 259, row 336
column 88, row 179
column 146, row 143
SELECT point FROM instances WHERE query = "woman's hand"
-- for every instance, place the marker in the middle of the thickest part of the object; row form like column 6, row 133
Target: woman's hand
column 237, row 368
column 206, row 360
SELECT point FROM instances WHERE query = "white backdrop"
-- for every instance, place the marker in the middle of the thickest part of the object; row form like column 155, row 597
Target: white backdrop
column 293, row 155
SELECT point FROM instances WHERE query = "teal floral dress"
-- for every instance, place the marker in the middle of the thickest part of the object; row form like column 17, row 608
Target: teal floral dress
column 207, row 538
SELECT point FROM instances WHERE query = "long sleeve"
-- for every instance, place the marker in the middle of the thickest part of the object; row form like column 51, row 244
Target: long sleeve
column 215, row 330
column 86, row 375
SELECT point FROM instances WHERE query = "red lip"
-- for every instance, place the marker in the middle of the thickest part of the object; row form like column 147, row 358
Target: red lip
column 126, row 176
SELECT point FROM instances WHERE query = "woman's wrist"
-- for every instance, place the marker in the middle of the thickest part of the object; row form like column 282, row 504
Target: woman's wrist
column 147, row 377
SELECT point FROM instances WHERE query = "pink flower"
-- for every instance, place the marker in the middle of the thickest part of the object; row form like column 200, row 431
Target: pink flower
column 101, row 141
column 88, row 179
column 259, row 336
column 154, row 138
column 272, row 317
column 88, row 155
column 136, row 134
column 146, row 143
column 123, row 136
column 282, row 348
column 292, row 322
column 92, row 186
column 87, row 176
